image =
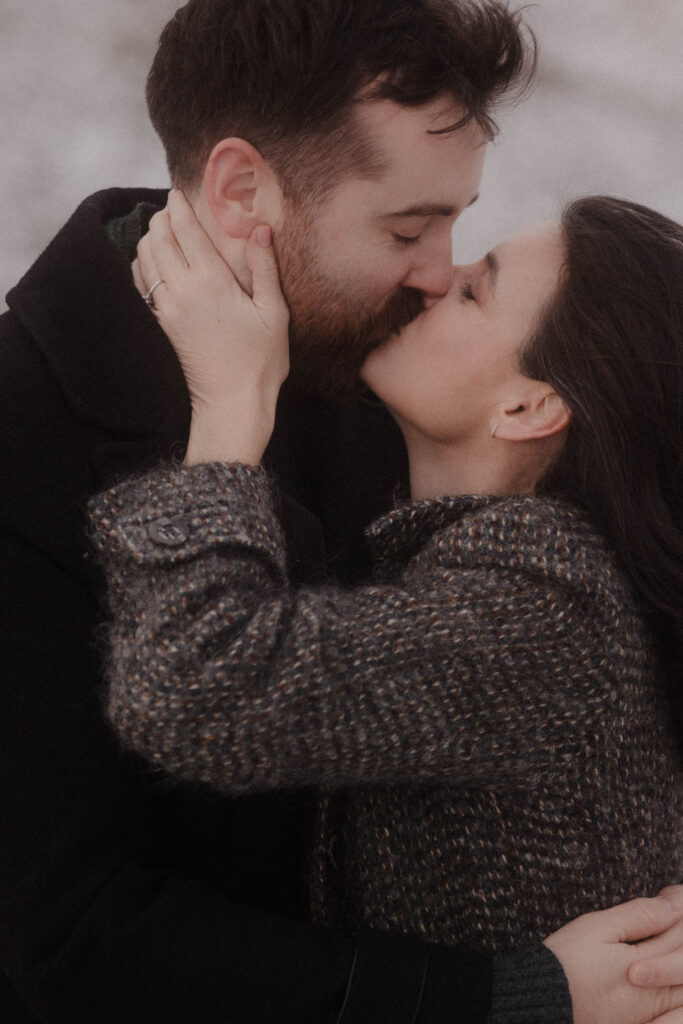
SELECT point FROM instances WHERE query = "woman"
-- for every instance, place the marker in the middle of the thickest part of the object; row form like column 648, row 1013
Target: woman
column 489, row 720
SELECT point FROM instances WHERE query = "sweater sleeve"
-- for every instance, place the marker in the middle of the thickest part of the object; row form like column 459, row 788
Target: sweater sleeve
column 220, row 673
column 530, row 987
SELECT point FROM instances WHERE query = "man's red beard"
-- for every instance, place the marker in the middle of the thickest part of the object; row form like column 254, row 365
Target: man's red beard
column 331, row 333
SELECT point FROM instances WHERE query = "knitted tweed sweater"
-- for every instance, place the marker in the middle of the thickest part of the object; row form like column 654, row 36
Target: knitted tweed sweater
column 486, row 719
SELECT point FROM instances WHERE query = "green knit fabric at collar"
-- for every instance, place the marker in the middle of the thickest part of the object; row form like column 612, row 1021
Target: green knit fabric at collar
column 125, row 232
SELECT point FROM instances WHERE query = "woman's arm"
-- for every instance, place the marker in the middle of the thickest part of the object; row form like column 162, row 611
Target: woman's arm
column 220, row 672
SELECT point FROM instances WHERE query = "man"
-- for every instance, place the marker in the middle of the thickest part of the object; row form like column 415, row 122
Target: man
column 124, row 897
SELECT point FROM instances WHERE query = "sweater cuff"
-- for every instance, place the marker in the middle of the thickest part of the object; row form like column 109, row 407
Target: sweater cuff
column 400, row 981
column 175, row 514
column 530, row 987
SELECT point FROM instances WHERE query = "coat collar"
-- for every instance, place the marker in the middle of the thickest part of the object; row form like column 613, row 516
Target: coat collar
column 397, row 537
column 109, row 356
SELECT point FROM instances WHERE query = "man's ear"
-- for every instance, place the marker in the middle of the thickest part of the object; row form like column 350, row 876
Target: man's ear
column 536, row 412
column 240, row 189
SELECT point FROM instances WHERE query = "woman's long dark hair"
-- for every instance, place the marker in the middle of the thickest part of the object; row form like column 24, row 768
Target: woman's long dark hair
column 611, row 344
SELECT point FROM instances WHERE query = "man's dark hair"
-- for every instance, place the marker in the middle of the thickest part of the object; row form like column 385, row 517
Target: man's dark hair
column 286, row 75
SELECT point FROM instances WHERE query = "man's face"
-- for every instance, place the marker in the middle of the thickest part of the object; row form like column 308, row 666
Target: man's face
column 362, row 263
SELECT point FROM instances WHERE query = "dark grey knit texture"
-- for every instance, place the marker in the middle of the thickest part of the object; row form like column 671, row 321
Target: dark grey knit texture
column 486, row 721
column 529, row 988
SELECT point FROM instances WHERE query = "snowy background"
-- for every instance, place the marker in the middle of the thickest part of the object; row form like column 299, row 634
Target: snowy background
column 606, row 115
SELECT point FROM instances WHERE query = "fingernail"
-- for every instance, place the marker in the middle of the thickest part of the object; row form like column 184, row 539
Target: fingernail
column 674, row 901
column 641, row 975
column 264, row 236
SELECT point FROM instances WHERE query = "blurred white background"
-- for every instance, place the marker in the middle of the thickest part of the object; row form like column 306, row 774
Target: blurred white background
column 606, row 115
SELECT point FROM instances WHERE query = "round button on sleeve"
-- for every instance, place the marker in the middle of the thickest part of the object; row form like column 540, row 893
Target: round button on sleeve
column 170, row 533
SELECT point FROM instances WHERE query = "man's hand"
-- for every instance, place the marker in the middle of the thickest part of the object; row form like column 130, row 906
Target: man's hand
column 659, row 958
column 598, row 957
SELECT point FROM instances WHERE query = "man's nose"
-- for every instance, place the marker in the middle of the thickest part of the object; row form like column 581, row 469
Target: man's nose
column 432, row 270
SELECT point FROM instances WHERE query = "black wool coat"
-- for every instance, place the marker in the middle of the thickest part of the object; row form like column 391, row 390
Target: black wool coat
column 124, row 898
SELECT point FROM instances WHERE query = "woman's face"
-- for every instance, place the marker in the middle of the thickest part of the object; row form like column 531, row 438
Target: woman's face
column 449, row 371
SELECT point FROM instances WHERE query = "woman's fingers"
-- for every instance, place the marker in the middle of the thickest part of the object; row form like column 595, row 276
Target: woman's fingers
column 177, row 251
column 268, row 298
column 148, row 272
column 137, row 277
column 160, row 248
column 161, row 264
column 192, row 239
column 148, row 281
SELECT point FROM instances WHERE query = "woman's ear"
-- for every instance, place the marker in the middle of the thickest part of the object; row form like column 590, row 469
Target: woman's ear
column 537, row 412
column 240, row 189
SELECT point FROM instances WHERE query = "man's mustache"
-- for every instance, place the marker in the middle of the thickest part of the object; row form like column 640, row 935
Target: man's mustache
column 327, row 361
column 403, row 307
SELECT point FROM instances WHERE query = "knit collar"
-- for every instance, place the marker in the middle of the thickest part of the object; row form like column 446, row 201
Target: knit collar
column 396, row 537
column 126, row 231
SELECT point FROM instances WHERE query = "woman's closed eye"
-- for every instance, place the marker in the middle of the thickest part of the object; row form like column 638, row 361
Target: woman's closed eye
column 467, row 293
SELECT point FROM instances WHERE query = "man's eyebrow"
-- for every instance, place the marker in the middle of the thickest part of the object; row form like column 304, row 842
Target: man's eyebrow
column 429, row 210
column 493, row 265
column 426, row 210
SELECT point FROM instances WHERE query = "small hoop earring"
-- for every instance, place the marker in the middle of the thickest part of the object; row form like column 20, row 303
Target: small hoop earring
column 494, row 428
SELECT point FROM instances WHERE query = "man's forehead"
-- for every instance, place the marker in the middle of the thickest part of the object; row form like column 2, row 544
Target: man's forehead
column 391, row 125
column 421, row 167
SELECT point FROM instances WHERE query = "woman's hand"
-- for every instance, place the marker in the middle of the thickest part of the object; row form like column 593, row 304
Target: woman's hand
column 233, row 348
column 598, row 957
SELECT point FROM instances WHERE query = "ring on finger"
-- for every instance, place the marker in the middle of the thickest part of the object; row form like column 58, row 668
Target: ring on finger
column 148, row 297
